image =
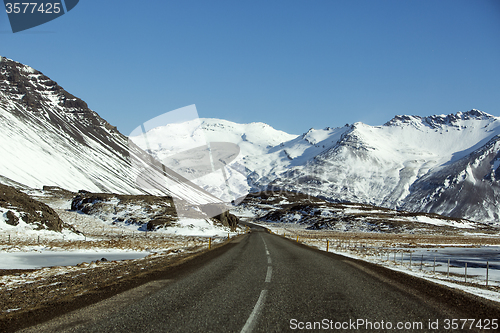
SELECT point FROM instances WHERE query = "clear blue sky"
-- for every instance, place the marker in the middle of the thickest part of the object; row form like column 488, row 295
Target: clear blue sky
column 292, row 64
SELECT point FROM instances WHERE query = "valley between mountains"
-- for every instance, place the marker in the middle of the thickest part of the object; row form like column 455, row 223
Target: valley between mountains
column 87, row 212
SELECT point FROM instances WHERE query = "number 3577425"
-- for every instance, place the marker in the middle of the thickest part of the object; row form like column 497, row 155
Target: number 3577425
column 32, row 7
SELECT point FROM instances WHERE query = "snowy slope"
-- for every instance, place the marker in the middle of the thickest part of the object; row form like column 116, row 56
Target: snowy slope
column 264, row 154
column 175, row 145
column 50, row 137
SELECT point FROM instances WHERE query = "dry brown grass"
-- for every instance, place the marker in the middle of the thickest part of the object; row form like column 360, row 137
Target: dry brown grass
column 136, row 243
column 394, row 240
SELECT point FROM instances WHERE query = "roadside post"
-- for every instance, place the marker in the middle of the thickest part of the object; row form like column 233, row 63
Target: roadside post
column 448, row 271
column 487, row 272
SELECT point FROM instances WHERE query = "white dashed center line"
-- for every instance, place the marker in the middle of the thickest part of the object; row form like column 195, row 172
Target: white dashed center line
column 269, row 272
column 252, row 320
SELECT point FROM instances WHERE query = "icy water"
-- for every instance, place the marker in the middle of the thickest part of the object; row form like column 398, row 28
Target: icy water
column 33, row 260
column 474, row 257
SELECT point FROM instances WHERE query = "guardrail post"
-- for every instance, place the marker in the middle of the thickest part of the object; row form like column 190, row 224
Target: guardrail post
column 209, row 243
column 434, row 267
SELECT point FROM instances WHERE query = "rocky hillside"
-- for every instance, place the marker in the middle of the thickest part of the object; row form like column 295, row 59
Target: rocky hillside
column 149, row 213
column 313, row 213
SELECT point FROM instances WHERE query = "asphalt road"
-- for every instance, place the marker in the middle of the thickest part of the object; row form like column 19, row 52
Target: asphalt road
column 266, row 283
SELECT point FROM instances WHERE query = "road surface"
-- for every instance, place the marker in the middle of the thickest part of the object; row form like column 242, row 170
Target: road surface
column 266, row 283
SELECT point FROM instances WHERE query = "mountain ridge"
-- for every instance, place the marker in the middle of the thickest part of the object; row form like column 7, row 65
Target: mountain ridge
column 434, row 164
column 396, row 165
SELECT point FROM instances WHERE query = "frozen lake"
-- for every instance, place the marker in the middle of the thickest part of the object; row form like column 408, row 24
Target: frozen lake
column 475, row 258
column 34, row 260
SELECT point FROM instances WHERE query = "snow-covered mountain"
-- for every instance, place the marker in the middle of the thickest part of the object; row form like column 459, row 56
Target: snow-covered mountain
column 50, row 137
column 176, row 146
column 439, row 164
column 446, row 164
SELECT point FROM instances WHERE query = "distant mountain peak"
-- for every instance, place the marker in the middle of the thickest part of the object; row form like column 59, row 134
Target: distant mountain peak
column 437, row 121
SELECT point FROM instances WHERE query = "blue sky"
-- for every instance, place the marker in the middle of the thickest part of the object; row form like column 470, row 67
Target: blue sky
column 292, row 64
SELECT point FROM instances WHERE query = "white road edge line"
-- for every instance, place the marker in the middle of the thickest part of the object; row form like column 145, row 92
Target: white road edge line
column 269, row 260
column 269, row 272
column 252, row 320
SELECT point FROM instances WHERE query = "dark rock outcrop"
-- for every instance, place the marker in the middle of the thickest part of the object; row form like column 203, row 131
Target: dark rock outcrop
column 228, row 219
column 30, row 211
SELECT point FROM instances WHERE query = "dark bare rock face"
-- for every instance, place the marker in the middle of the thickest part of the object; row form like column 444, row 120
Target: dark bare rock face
column 32, row 91
column 220, row 212
column 20, row 206
column 228, row 220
